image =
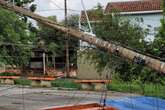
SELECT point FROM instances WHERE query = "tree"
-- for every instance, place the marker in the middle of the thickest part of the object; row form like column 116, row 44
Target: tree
column 16, row 36
column 55, row 40
column 15, row 39
column 73, row 21
column 159, row 42
column 116, row 29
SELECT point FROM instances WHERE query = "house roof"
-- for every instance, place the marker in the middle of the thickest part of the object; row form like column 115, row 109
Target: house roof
column 129, row 7
column 134, row 6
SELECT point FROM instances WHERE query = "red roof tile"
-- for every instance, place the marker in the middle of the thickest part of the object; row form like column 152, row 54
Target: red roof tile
column 133, row 6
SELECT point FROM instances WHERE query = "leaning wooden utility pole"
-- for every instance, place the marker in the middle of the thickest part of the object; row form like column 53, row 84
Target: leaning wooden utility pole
column 66, row 41
column 124, row 52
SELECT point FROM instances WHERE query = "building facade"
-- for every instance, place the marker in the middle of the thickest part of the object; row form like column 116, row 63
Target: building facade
column 148, row 11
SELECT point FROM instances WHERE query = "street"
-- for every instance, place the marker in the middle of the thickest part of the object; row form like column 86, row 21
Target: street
column 27, row 98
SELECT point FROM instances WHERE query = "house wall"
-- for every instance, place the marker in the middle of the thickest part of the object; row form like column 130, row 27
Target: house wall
column 87, row 70
column 151, row 21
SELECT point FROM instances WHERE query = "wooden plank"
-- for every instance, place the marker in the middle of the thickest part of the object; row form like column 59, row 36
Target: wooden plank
column 9, row 77
column 41, row 78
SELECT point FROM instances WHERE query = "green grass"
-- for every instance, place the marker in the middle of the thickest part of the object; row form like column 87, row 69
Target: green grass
column 8, row 74
column 65, row 83
column 22, row 82
column 154, row 90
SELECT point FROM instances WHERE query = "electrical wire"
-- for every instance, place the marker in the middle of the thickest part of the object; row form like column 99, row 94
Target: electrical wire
column 71, row 10
column 54, row 3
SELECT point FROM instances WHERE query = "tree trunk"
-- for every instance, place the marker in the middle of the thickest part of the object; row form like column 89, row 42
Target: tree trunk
column 54, row 61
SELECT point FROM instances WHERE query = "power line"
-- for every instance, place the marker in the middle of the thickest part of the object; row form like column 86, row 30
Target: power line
column 57, row 5
column 72, row 10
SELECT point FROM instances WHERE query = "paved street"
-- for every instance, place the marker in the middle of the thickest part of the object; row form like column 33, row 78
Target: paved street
column 27, row 98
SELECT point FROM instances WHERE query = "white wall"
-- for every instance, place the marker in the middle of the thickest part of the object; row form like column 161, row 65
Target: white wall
column 151, row 21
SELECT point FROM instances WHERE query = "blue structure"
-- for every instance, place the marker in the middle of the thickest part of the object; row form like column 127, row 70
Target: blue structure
column 137, row 103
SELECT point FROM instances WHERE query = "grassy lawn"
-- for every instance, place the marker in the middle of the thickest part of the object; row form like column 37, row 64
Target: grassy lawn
column 65, row 83
column 120, row 86
column 148, row 89
column 8, row 74
column 22, row 82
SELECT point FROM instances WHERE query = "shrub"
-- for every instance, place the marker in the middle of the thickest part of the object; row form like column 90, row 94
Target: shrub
column 65, row 83
column 8, row 74
column 22, row 81
column 148, row 89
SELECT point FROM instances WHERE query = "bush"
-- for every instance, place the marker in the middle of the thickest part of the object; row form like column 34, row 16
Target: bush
column 121, row 86
column 149, row 89
column 22, row 81
column 65, row 83
column 8, row 74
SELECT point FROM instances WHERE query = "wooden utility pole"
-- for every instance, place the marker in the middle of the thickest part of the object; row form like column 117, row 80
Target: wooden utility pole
column 66, row 41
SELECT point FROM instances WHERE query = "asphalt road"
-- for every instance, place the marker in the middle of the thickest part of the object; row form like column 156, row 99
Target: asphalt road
column 27, row 98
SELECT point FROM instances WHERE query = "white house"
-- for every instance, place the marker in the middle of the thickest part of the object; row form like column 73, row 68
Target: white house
column 149, row 10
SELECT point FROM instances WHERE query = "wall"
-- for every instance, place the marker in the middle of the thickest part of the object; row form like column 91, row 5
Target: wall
column 151, row 21
column 86, row 70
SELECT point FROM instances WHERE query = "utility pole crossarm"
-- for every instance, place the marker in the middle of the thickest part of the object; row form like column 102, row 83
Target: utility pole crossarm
column 153, row 63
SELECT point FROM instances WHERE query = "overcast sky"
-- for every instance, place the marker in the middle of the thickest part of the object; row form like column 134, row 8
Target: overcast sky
column 55, row 7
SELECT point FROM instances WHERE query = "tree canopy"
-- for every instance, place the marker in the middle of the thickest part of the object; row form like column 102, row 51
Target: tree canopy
column 114, row 28
column 15, row 38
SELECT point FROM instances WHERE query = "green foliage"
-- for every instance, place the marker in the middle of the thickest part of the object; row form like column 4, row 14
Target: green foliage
column 73, row 21
column 15, row 39
column 159, row 42
column 23, row 2
column 8, row 74
column 116, row 29
column 123, row 32
column 55, row 40
column 155, row 90
column 22, row 82
column 65, row 83
column 33, row 7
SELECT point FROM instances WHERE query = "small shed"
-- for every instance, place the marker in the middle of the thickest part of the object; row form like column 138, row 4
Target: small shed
column 38, row 60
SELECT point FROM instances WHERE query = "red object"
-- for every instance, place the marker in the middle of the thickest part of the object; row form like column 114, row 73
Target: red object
column 42, row 78
column 132, row 6
column 9, row 77
column 93, row 106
